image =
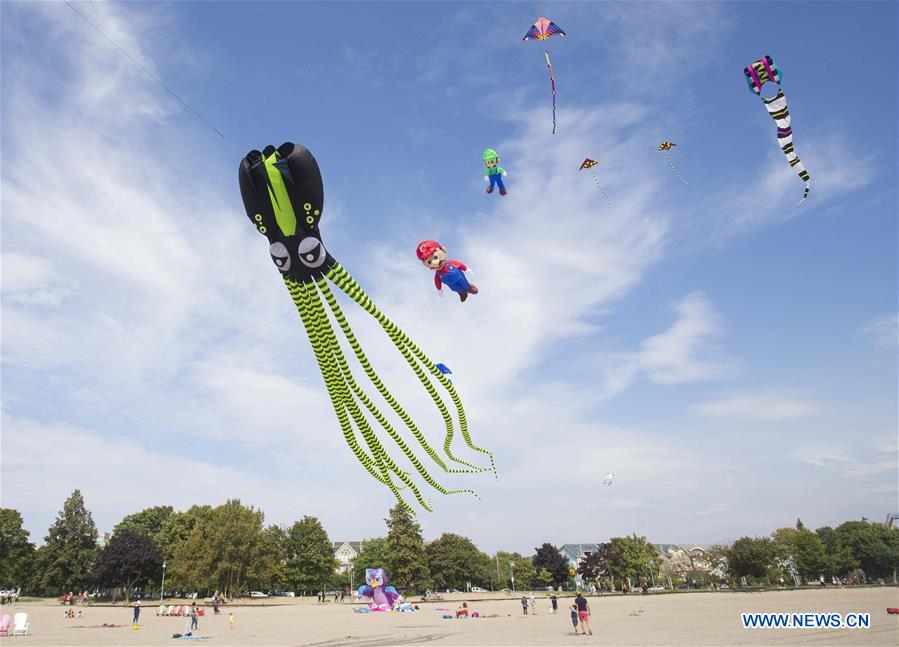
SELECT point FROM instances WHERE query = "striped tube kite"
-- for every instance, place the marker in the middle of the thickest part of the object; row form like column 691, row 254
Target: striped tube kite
column 666, row 148
column 542, row 30
column 283, row 195
column 758, row 74
column 589, row 164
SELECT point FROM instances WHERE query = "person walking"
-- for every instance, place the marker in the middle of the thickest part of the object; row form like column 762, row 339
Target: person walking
column 554, row 601
column 532, row 602
column 574, row 617
column 583, row 612
column 194, row 618
column 524, row 604
column 136, row 607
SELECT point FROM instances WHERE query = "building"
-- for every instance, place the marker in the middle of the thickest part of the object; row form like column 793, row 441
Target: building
column 103, row 538
column 892, row 520
column 345, row 552
column 575, row 554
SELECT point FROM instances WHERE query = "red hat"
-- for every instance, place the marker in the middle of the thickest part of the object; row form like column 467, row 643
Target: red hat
column 426, row 248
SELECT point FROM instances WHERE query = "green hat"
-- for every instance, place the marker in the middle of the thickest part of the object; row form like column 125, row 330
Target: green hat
column 490, row 154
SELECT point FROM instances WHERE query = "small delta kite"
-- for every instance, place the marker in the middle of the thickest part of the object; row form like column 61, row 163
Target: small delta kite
column 542, row 30
column 758, row 74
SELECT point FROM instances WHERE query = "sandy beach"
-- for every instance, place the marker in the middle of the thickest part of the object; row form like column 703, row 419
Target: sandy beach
column 683, row 619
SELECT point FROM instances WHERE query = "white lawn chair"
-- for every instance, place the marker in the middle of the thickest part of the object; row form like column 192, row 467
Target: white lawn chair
column 171, row 610
column 20, row 624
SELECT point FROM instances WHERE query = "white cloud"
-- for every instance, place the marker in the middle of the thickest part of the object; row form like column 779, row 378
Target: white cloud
column 688, row 351
column 761, row 407
column 885, row 330
column 858, row 463
column 715, row 509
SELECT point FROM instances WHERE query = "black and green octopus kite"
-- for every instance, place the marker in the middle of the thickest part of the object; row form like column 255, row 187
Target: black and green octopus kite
column 284, row 197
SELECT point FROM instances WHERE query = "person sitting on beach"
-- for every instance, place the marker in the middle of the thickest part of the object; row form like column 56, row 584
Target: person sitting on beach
column 463, row 610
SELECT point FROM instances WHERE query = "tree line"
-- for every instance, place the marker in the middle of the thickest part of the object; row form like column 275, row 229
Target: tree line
column 230, row 548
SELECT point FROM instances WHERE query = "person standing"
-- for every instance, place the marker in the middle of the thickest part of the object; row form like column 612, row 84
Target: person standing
column 532, row 602
column 554, row 601
column 194, row 618
column 574, row 617
column 136, row 607
column 524, row 604
column 583, row 612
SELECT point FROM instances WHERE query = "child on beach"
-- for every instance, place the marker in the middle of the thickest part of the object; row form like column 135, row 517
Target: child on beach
column 230, row 621
column 574, row 618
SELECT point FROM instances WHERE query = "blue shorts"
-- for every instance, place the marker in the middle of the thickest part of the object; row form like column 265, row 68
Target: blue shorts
column 455, row 280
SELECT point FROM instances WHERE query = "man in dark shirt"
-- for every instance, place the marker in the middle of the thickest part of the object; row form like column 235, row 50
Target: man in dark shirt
column 524, row 604
column 583, row 612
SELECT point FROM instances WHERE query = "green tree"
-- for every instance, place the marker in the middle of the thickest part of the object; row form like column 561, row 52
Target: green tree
column 804, row 550
column 545, row 577
column 129, row 560
column 65, row 560
column 372, row 555
column 16, row 552
column 177, row 527
column 635, row 554
column 147, row 522
column 548, row 557
column 232, row 552
column 750, row 557
column 310, row 559
column 405, row 559
column 522, row 567
column 874, row 546
column 454, row 561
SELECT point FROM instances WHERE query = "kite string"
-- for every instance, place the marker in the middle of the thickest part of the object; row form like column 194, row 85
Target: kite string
column 150, row 74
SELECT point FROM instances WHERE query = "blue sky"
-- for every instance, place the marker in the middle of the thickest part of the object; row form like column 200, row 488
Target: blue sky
column 730, row 357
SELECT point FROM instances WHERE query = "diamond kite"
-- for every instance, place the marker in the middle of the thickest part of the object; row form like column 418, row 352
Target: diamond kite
column 541, row 30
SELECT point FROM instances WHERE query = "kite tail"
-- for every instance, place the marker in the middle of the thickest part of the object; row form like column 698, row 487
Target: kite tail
column 552, row 81
column 417, row 360
column 777, row 108
column 606, row 195
column 674, row 168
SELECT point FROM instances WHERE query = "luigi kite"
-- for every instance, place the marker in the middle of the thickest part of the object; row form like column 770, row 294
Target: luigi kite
column 494, row 173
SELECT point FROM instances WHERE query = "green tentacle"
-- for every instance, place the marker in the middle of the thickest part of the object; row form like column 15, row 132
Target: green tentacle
column 363, row 360
column 299, row 299
column 345, row 282
column 327, row 337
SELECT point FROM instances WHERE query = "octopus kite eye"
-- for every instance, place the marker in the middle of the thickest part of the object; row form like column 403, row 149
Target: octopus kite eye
column 312, row 252
column 280, row 256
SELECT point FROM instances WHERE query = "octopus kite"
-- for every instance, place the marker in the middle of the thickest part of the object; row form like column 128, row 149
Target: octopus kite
column 284, row 198
column 758, row 74
column 541, row 30
column 666, row 148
